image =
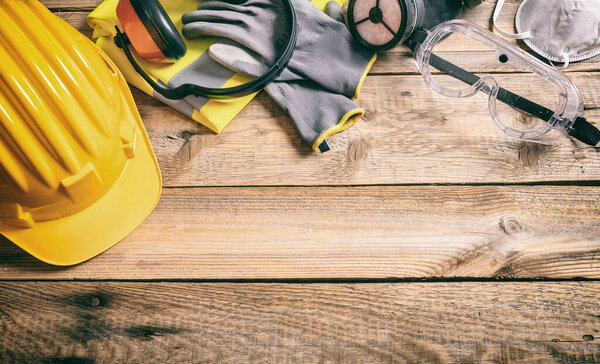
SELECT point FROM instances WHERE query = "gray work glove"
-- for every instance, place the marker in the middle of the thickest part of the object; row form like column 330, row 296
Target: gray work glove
column 335, row 12
column 316, row 112
column 325, row 52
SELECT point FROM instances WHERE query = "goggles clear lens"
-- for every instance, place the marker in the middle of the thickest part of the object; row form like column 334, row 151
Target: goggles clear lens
column 526, row 98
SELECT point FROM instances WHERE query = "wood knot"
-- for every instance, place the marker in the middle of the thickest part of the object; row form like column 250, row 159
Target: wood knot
column 530, row 153
column 95, row 302
column 527, row 121
column 186, row 135
column 358, row 150
column 588, row 337
column 369, row 115
column 147, row 333
column 193, row 145
column 510, row 226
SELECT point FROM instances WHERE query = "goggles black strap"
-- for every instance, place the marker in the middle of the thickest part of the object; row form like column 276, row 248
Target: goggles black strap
column 584, row 131
column 581, row 129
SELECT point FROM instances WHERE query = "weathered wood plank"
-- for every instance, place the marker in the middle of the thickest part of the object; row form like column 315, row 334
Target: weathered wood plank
column 71, row 5
column 359, row 232
column 308, row 323
column 77, row 20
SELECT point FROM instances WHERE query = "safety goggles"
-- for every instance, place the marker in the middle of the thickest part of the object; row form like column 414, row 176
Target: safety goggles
column 533, row 102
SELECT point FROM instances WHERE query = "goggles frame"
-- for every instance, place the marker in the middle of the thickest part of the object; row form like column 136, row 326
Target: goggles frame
column 568, row 118
column 569, row 105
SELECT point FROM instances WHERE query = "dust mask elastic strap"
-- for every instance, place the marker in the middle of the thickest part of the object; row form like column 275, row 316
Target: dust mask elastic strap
column 523, row 35
column 566, row 62
column 497, row 10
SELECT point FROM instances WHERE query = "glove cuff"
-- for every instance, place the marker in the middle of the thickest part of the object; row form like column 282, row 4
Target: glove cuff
column 364, row 76
column 349, row 119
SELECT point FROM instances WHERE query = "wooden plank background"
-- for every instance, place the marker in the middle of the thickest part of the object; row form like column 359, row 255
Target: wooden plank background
column 309, row 323
column 383, row 236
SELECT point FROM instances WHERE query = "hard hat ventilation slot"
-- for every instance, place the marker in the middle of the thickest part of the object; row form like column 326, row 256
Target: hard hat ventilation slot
column 14, row 214
column 78, row 187
column 127, row 135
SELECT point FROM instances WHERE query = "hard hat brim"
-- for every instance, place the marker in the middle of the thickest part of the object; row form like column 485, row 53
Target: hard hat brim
column 83, row 235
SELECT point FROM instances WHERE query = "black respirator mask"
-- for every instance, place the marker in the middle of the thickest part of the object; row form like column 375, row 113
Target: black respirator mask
column 383, row 24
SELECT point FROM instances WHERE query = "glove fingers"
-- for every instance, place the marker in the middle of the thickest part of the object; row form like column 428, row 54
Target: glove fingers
column 225, row 6
column 222, row 3
column 256, row 8
column 260, row 23
column 189, row 17
column 202, row 29
column 316, row 113
column 334, row 10
column 220, row 24
column 229, row 31
column 213, row 16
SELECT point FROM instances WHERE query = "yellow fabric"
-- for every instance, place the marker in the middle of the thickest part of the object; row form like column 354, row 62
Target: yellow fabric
column 364, row 76
column 215, row 114
column 223, row 108
column 77, row 171
column 321, row 3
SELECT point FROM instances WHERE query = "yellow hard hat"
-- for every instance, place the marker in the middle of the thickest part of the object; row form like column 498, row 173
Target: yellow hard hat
column 77, row 171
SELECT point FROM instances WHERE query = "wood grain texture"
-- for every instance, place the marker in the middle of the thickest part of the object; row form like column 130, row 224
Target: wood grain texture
column 359, row 232
column 279, row 323
column 70, row 5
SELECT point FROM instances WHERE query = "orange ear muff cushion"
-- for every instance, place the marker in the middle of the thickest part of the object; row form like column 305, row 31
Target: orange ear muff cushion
column 150, row 30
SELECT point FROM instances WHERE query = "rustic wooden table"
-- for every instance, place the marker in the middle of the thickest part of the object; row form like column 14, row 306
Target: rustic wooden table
column 424, row 235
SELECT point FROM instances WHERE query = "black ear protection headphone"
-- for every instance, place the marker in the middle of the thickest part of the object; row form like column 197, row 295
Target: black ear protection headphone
column 382, row 24
column 154, row 37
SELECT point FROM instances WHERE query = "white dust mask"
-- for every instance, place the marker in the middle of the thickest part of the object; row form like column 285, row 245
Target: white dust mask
column 558, row 30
